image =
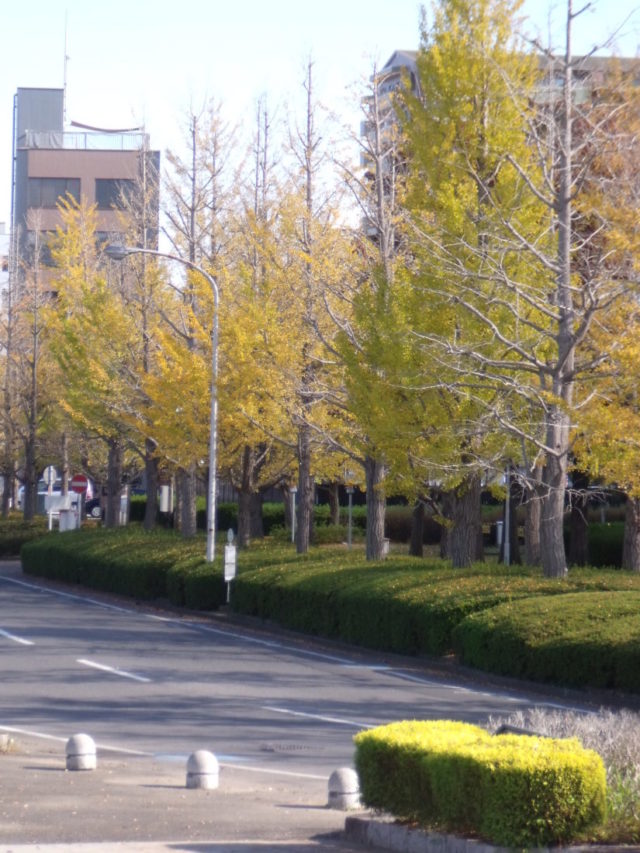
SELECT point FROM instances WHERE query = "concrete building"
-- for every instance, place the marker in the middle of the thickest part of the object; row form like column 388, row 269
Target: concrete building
column 4, row 257
column 51, row 162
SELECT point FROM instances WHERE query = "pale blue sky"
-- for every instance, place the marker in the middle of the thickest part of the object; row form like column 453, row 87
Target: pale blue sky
column 142, row 61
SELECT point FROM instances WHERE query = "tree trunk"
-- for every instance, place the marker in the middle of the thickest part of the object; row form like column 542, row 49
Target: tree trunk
column 416, row 543
column 334, row 502
column 515, row 496
column 244, row 519
column 552, row 553
column 178, row 496
column 376, row 503
column 114, row 484
column 557, row 426
column 255, row 513
column 631, row 542
column 30, row 481
column 8, row 477
column 187, row 486
column 447, row 515
column 466, row 532
column 579, row 523
column 532, row 522
column 250, row 524
column 151, row 477
column 305, row 492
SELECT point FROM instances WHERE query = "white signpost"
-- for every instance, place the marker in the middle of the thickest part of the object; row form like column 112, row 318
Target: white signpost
column 49, row 475
column 230, row 562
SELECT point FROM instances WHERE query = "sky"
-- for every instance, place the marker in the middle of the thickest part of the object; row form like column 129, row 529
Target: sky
column 134, row 62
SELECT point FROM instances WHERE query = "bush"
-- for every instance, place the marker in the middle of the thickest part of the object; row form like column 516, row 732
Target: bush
column 577, row 639
column 398, row 520
column 137, row 508
column 126, row 561
column 605, row 544
column 512, row 790
column 402, row 604
column 615, row 736
column 14, row 532
column 196, row 584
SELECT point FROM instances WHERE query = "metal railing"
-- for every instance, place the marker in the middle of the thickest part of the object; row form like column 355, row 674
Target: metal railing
column 84, row 140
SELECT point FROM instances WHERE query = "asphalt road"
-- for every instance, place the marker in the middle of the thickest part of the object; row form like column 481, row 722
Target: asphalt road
column 151, row 686
column 164, row 684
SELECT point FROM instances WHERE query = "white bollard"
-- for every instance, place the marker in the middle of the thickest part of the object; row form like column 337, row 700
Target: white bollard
column 202, row 770
column 344, row 789
column 81, row 753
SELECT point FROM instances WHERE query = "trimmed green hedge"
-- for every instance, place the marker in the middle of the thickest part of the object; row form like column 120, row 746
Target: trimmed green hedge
column 397, row 519
column 196, row 584
column 402, row 604
column 579, row 639
column 511, row 790
column 605, row 543
column 14, row 532
column 129, row 561
column 579, row 630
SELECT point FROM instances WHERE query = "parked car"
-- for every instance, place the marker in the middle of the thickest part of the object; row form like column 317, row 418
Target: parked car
column 92, row 508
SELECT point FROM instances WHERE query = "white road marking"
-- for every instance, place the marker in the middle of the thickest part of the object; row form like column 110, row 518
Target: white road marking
column 273, row 772
column 113, row 670
column 44, row 736
column 16, row 639
column 338, row 720
column 158, row 756
column 274, row 644
column 71, row 595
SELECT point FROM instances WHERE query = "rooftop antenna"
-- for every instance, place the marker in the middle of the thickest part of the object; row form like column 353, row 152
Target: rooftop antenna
column 66, row 60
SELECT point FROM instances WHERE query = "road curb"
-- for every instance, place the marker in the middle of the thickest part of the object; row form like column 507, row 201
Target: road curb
column 387, row 834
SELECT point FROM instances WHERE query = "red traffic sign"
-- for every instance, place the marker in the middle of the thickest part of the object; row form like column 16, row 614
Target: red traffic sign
column 79, row 484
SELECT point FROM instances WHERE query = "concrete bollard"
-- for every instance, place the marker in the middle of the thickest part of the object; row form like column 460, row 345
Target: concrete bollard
column 202, row 770
column 81, row 753
column 344, row 789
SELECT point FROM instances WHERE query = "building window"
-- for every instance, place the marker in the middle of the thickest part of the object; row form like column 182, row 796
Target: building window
column 113, row 193
column 47, row 192
column 38, row 247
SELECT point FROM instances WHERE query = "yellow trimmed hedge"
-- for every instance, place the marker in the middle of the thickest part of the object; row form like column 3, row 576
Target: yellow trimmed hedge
column 512, row 790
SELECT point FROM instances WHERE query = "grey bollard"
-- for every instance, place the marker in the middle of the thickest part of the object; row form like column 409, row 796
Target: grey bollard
column 81, row 753
column 202, row 770
column 344, row 789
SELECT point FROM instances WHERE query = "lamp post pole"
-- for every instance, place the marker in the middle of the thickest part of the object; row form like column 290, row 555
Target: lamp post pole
column 350, row 515
column 292, row 492
column 119, row 253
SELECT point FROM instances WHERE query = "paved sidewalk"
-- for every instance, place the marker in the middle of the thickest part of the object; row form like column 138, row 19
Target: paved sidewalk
column 141, row 805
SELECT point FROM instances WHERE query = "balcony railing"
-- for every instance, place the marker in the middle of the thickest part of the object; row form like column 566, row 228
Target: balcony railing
column 84, row 140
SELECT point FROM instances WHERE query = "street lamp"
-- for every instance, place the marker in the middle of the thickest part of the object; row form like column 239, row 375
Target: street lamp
column 292, row 493
column 119, row 253
column 350, row 491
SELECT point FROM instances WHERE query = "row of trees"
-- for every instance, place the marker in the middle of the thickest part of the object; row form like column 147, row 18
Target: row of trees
column 481, row 318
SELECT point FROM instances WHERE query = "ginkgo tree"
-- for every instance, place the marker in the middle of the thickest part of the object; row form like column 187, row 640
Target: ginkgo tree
column 500, row 236
column 98, row 392
column 605, row 435
column 451, row 302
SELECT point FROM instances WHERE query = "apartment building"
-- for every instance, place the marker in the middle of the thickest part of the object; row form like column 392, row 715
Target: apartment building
column 589, row 74
column 51, row 161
